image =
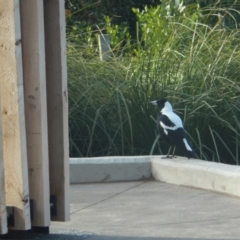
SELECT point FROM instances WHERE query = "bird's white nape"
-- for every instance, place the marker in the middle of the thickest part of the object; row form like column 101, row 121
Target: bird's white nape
column 167, row 107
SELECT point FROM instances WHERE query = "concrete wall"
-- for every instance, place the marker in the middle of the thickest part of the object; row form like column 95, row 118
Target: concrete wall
column 109, row 169
column 180, row 171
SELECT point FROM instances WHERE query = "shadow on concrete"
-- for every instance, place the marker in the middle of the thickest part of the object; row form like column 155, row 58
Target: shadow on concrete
column 96, row 237
column 77, row 235
column 86, row 236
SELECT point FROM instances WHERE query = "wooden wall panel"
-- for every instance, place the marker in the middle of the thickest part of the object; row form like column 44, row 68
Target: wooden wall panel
column 3, row 213
column 13, row 118
column 57, row 105
column 34, row 74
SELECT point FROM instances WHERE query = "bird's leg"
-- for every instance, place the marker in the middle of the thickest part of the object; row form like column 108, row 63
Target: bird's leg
column 168, row 153
column 174, row 149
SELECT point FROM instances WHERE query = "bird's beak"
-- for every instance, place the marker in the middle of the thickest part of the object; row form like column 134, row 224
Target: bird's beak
column 154, row 102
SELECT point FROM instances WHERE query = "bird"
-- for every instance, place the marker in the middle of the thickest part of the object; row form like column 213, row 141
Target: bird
column 170, row 128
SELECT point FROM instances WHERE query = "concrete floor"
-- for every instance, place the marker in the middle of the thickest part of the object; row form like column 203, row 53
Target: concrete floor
column 148, row 210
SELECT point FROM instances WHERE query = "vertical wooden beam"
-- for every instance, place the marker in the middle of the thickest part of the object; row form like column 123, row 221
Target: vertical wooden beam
column 34, row 74
column 13, row 117
column 57, row 105
column 3, row 212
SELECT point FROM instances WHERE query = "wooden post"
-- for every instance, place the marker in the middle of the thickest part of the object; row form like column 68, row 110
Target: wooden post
column 13, row 118
column 104, row 47
column 3, row 213
column 34, row 73
column 57, row 106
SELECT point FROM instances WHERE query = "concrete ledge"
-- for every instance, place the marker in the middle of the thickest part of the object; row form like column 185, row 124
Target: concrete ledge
column 109, row 169
column 218, row 177
column 213, row 176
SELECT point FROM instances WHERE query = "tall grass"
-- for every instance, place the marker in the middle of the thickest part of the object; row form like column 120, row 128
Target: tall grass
column 194, row 65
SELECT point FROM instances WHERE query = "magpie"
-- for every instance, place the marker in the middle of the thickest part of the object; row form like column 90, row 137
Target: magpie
column 171, row 129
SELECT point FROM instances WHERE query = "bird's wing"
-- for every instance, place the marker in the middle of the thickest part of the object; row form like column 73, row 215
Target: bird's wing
column 172, row 127
column 167, row 123
column 161, row 130
column 174, row 118
column 179, row 139
column 173, row 123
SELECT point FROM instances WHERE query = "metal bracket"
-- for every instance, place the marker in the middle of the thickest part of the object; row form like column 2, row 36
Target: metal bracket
column 10, row 216
column 31, row 208
column 53, row 205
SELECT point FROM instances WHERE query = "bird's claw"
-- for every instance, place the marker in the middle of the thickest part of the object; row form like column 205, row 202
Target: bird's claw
column 169, row 157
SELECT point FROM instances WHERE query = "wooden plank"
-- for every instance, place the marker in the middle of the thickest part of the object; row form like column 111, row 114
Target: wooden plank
column 3, row 212
column 13, row 119
column 57, row 105
column 104, row 47
column 34, row 74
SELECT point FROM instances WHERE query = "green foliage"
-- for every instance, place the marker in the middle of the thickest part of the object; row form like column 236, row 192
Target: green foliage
column 91, row 17
column 178, row 56
column 120, row 40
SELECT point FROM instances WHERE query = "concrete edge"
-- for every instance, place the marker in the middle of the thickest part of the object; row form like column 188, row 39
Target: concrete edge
column 213, row 176
column 109, row 169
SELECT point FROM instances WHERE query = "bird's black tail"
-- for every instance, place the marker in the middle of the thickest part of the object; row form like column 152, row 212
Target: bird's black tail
column 191, row 154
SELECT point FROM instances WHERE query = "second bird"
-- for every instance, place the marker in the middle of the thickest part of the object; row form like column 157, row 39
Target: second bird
column 171, row 129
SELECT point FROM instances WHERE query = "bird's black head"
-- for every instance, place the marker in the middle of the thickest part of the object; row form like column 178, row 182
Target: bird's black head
column 160, row 102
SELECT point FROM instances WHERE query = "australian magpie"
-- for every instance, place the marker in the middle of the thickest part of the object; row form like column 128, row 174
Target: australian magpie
column 171, row 129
